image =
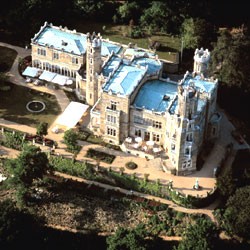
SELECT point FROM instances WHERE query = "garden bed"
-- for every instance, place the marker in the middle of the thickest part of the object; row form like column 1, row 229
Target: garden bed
column 101, row 156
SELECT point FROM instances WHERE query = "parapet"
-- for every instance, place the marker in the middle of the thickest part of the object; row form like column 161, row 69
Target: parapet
column 201, row 55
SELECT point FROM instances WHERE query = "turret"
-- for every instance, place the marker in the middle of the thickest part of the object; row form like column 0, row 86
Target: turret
column 201, row 60
column 187, row 101
column 93, row 67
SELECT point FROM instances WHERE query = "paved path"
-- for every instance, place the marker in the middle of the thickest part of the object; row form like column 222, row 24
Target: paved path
column 16, row 78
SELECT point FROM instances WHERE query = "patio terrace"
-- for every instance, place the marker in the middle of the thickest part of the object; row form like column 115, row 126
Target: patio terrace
column 145, row 149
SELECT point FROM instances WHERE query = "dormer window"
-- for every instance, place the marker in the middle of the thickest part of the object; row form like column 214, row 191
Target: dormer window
column 64, row 43
column 113, row 105
column 55, row 55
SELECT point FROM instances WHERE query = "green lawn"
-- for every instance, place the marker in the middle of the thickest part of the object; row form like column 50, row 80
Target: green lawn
column 117, row 33
column 13, row 106
column 7, row 57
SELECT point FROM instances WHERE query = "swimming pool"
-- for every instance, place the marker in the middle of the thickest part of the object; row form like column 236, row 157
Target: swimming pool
column 151, row 95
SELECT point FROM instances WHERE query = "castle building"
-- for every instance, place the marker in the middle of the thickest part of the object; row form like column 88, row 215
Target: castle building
column 132, row 105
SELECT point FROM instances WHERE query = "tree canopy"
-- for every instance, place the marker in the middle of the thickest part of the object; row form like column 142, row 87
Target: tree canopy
column 160, row 16
column 230, row 59
column 127, row 239
column 197, row 33
column 42, row 129
column 200, row 235
column 128, row 11
column 70, row 138
column 235, row 218
column 31, row 164
column 18, row 228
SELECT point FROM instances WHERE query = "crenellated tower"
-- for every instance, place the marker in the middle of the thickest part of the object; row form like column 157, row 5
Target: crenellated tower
column 186, row 132
column 201, row 60
column 93, row 67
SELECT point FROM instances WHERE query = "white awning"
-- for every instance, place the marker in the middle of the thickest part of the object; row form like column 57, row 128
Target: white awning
column 31, row 71
column 47, row 76
column 60, row 79
column 72, row 114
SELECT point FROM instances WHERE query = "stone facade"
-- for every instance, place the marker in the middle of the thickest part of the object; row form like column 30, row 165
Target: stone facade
column 47, row 57
column 180, row 134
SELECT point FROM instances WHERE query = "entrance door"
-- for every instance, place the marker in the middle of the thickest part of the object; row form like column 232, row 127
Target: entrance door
column 146, row 136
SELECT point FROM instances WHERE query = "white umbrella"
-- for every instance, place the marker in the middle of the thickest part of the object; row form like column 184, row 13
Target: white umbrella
column 150, row 143
column 69, row 82
column 138, row 139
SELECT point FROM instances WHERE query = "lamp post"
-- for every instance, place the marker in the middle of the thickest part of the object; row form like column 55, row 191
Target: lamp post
column 182, row 44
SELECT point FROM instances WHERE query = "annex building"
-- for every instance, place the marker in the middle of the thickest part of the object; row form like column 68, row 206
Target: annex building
column 132, row 104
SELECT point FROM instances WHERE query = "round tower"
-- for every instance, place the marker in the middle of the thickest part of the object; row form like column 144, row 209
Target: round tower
column 93, row 67
column 201, row 60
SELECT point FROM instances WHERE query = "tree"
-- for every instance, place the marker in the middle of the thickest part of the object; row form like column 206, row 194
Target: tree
column 156, row 17
column 30, row 165
column 42, row 129
column 227, row 62
column 197, row 33
column 70, row 138
column 235, row 218
column 128, row 11
column 162, row 16
column 226, row 184
column 88, row 7
column 18, row 227
column 130, row 239
column 200, row 235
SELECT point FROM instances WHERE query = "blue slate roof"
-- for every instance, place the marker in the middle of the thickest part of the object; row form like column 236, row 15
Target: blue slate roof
column 70, row 42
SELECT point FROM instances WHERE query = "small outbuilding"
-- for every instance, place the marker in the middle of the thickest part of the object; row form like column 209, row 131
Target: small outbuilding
column 72, row 115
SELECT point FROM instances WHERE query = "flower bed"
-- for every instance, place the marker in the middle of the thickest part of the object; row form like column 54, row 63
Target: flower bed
column 102, row 156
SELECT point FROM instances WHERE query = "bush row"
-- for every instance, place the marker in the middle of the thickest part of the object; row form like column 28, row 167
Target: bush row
column 15, row 139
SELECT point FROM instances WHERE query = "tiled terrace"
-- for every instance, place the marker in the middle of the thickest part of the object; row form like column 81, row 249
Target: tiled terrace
column 145, row 149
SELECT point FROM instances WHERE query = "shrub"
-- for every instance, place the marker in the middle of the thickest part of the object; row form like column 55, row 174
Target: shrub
column 76, row 168
column 102, row 156
column 131, row 165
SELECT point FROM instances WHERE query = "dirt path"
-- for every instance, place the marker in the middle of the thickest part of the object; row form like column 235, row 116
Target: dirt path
column 207, row 211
